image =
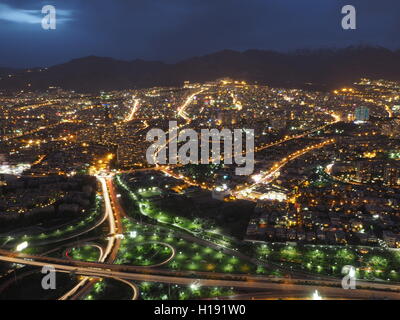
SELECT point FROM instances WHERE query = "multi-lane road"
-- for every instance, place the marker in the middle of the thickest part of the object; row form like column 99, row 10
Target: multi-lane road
column 329, row 288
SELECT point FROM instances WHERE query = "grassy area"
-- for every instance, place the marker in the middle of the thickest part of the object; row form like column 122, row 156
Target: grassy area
column 369, row 263
column 56, row 233
column 161, row 291
column 85, row 253
column 110, row 289
column 189, row 256
column 143, row 254
column 139, row 208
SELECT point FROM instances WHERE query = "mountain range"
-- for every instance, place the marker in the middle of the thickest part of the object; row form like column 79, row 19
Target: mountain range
column 321, row 69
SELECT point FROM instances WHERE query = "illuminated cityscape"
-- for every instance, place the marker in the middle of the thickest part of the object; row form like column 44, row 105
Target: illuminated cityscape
column 82, row 199
column 324, row 192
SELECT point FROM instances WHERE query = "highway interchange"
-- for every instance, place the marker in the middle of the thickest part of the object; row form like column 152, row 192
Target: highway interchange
column 298, row 286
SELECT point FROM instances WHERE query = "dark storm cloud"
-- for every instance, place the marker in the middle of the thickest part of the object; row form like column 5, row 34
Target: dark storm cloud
column 174, row 29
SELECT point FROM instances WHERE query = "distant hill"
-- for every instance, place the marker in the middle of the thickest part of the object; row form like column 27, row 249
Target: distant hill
column 321, row 69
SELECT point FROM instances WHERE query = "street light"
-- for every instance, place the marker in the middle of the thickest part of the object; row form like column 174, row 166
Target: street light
column 22, row 246
column 316, row 295
column 133, row 234
column 195, row 285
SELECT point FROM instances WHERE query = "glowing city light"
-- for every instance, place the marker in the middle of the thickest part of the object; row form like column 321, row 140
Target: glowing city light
column 316, row 295
column 22, row 246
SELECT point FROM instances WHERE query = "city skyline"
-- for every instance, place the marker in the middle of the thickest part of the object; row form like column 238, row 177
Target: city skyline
column 238, row 169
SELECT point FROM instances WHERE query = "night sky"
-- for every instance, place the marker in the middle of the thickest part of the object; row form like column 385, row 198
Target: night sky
column 171, row 30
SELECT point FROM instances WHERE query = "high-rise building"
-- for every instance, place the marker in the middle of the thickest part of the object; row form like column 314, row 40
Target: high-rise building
column 362, row 114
